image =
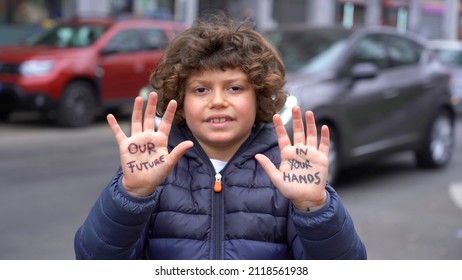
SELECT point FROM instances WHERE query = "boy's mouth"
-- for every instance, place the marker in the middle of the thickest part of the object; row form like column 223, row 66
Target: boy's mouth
column 219, row 119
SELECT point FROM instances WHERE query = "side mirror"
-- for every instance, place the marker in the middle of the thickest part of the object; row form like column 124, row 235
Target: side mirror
column 364, row 70
column 108, row 50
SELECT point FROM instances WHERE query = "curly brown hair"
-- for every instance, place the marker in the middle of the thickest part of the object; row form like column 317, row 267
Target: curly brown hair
column 221, row 43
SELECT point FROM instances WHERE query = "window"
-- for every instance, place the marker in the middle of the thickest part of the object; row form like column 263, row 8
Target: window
column 154, row 39
column 124, row 42
column 70, row 36
column 403, row 51
column 451, row 57
column 370, row 49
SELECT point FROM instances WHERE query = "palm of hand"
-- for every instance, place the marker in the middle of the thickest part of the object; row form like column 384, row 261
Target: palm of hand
column 145, row 161
column 144, row 156
column 303, row 170
column 302, row 174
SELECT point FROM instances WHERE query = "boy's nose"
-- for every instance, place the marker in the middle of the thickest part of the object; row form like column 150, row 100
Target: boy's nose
column 218, row 98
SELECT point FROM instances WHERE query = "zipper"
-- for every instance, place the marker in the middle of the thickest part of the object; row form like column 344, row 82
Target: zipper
column 217, row 224
column 217, row 185
column 217, row 217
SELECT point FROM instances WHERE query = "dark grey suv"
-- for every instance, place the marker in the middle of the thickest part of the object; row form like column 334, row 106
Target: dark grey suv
column 379, row 91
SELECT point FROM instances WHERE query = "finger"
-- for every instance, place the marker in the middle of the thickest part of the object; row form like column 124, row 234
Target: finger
column 281, row 133
column 269, row 168
column 167, row 118
column 137, row 115
column 325, row 140
column 150, row 112
column 311, row 130
column 119, row 135
column 297, row 122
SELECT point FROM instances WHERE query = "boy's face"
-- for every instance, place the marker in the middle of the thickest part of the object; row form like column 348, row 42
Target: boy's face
column 220, row 109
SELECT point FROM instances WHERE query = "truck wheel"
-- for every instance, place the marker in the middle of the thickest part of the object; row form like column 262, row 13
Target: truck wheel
column 77, row 106
column 438, row 144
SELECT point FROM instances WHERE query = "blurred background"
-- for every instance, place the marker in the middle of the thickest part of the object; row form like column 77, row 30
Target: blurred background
column 433, row 19
column 51, row 174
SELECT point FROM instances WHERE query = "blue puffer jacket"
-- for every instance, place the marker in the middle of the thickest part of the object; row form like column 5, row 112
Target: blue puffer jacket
column 186, row 219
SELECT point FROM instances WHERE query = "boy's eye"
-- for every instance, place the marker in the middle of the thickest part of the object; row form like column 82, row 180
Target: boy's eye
column 200, row 90
column 235, row 88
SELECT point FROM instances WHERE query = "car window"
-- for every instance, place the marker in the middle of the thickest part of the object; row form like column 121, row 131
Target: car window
column 125, row 41
column 70, row 36
column 154, row 38
column 325, row 59
column 402, row 51
column 299, row 47
column 370, row 49
column 451, row 57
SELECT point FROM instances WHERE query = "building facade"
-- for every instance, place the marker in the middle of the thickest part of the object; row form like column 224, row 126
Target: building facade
column 434, row 19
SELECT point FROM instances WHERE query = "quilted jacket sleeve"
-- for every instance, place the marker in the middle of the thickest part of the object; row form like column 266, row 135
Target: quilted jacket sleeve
column 116, row 225
column 327, row 233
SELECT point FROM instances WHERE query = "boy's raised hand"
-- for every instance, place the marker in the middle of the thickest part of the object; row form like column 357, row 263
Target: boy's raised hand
column 144, row 155
column 302, row 175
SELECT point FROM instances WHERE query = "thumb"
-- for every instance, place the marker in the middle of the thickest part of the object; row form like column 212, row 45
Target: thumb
column 179, row 151
column 269, row 168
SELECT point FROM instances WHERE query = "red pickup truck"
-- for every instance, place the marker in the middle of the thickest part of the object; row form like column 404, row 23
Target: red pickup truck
column 80, row 67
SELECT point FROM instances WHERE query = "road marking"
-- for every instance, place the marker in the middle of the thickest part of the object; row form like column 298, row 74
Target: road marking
column 455, row 192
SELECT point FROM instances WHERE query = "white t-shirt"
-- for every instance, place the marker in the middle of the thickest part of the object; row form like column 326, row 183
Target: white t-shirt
column 218, row 164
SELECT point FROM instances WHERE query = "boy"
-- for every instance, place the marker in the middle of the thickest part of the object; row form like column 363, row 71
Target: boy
column 216, row 180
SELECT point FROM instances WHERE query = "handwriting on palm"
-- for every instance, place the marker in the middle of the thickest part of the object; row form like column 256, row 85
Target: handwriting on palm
column 144, row 155
column 302, row 175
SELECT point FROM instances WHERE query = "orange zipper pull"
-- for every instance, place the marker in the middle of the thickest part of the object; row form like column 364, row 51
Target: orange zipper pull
column 217, row 186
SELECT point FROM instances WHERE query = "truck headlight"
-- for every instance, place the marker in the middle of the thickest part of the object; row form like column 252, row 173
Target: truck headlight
column 36, row 67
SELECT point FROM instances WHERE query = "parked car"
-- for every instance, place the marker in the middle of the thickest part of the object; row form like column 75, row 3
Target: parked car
column 379, row 91
column 449, row 52
column 82, row 66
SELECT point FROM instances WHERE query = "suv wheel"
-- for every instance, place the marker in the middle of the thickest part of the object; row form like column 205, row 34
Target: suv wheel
column 438, row 144
column 78, row 105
